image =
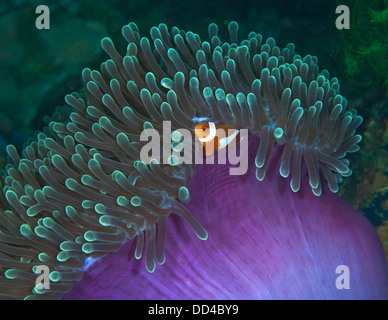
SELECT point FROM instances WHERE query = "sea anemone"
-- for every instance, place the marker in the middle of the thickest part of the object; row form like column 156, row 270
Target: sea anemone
column 265, row 242
column 80, row 190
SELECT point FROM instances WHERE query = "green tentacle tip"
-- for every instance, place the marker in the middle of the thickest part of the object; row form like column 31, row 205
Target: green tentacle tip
column 79, row 240
column 66, row 246
column 154, row 161
column 62, row 256
column 139, row 165
column 25, row 230
column 40, row 231
column 147, row 125
column 173, row 160
column 278, row 133
column 104, row 221
column 11, row 274
column 176, row 136
column 34, row 269
column 122, row 201
column 184, row 195
column 99, row 208
column 32, row 211
column 55, row 276
column 43, row 257
column 136, row 201
column 89, row 236
column 39, row 289
column 87, row 204
column 204, row 236
column 48, row 222
column 87, row 248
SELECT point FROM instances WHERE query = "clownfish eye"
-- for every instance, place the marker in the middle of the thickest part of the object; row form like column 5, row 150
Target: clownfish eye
column 205, row 131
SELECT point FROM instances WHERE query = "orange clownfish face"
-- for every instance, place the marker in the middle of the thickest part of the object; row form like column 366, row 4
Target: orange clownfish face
column 215, row 136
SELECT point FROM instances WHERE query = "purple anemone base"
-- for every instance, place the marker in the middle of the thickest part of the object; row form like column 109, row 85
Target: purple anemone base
column 265, row 242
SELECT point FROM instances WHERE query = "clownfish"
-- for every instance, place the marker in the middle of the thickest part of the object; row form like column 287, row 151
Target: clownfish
column 215, row 136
